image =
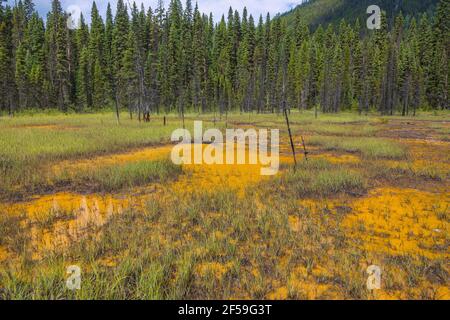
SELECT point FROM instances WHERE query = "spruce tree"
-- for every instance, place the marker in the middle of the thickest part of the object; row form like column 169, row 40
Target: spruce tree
column 36, row 67
column 182, row 60
column 21, row 76
column 83, row 81
column 107, row 52
column 127, row 76
column 7, row 65
column 58, row 47
column 120, row 39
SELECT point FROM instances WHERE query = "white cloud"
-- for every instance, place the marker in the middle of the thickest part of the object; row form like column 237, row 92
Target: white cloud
column 254, row 7
column 217, row 7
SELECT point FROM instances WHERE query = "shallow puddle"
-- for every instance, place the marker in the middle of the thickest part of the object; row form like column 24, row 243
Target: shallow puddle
column 55, row 220
column 41, row 208
column 59, row 218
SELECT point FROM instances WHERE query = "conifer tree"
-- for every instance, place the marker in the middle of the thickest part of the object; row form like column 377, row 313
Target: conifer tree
column 127, row 76
column 180, row 60
column 7, row 65
column 120, row 39
column 439, row 70
column 34, row 39
column 29, row 9
column 83, row 81
column 21, row 76
column 58, row 47
column 107, row 52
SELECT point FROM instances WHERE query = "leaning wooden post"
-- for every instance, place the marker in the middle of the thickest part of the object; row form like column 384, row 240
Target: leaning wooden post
column 304, row 148
column 184, row 124
column 288, row 125
column 117, row 109
column 290, row 138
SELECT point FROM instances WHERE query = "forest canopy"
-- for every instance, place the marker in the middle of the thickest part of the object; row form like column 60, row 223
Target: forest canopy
column 176, row 59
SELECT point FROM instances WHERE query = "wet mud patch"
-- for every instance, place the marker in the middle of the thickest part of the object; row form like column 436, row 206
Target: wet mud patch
column 414, row 130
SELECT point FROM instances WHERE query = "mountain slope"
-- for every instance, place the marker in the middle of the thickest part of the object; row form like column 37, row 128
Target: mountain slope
column 316, row 12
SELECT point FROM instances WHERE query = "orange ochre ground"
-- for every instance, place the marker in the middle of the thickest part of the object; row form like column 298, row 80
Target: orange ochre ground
column 388, row 219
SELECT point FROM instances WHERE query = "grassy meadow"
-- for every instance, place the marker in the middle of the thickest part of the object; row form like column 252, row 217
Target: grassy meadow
column 83, row 190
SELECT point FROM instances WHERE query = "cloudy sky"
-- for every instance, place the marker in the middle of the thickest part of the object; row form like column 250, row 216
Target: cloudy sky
column 217, row 7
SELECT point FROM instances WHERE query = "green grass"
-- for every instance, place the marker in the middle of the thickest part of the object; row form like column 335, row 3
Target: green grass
column 432, row 171
column 157, row 253
column 372, row 148
column 300, row 118
column 442, row 131
column 117, row 177
column 27, row 150
column 9, row 228
column 111, row 178
column 347, row 130
column 429, row 171
column 75, row 136
column 307, row 118
column 320, row 178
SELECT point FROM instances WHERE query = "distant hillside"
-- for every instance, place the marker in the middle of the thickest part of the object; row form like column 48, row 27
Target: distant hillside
column 317, row 12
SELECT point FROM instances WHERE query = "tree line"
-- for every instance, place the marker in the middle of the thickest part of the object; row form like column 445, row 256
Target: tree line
column 180, row 60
